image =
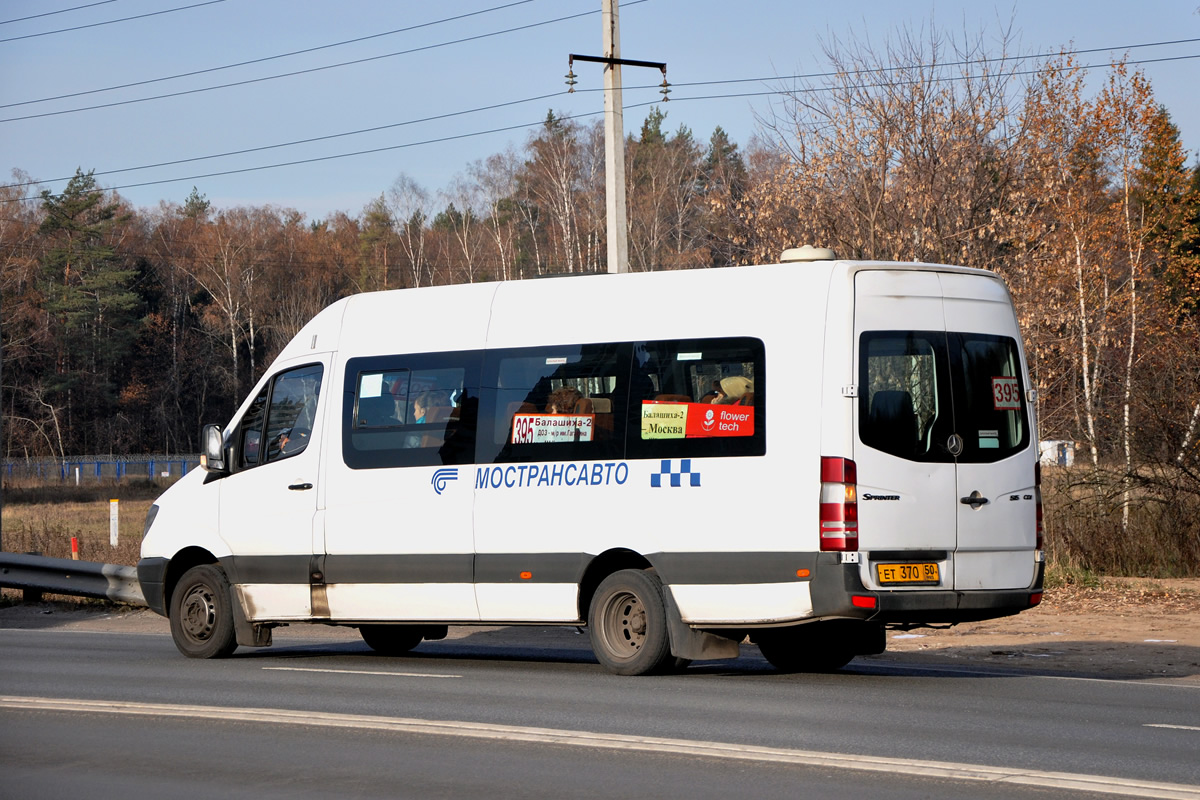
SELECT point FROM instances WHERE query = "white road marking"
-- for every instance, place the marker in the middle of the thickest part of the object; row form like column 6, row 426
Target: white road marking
column 615, row 741
column 1173, row 727
column 364, row 672
column 1122, row 682
column 891, row 667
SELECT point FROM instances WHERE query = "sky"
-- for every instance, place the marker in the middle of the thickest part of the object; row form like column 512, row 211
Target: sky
column 417, row 101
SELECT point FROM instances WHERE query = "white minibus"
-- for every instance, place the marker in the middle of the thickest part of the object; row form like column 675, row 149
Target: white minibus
column 800, row 454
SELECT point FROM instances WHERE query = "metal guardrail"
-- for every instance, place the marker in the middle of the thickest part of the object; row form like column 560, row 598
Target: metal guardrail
column 65, row 576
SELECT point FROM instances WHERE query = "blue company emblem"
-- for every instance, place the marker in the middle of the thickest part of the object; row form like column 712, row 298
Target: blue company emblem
column 685, row 468
column 442, row 476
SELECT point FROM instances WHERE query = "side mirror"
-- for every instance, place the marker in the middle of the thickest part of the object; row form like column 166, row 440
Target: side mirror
column 212, row 449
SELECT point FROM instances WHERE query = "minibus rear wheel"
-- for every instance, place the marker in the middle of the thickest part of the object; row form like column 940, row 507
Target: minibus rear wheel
column 627, row 622
column 201, row 615
column 392, row 640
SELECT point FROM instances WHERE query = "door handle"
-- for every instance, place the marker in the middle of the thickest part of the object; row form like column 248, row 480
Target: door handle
column 300, row 487
column 974, row 501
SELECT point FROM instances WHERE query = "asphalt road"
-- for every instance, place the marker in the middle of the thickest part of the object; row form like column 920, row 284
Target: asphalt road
column 528, row 713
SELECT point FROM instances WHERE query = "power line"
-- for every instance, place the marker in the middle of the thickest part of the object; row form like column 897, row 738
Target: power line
column 310, row 140
column 111, row 21
column 265, row 58
column 312, row 69
column 371, row 151
column 951, row 79
column 455, row 137
column 997, row 59
column 52, row 13
column 556, row 94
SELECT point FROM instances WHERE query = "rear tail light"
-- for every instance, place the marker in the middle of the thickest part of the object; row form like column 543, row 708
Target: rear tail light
column 839, row 504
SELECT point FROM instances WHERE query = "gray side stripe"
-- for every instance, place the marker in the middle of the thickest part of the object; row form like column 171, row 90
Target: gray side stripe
column 414, row 568
column 681, row 568
column 541, row 567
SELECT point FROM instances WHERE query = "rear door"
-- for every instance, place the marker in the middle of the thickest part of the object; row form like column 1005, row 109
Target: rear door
column 945, row 472
column 905, row 474
column 996, row 463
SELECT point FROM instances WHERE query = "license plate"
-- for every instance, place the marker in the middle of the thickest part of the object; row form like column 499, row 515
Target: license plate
column 907, row 573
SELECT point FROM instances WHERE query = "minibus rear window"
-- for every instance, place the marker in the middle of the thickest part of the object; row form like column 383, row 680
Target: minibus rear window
column 920, row 388
column 905, row 394
column 989, row 396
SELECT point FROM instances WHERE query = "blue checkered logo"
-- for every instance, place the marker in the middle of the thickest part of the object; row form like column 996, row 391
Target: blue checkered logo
column 676, row 478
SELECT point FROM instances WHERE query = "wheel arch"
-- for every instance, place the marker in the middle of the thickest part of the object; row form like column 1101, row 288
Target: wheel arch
column 180, row 563
column 601, row 567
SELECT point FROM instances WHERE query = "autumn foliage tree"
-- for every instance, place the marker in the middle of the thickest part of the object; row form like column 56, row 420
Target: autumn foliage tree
column 930, row 151
column 123, row 330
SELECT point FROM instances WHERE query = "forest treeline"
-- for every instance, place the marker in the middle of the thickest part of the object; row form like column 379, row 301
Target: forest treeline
column 124, row 329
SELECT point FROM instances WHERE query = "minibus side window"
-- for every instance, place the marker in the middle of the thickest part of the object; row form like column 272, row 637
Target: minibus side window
column 558, row 403
column 697, row 398
column 410, row 410
column 250, row 430
column 289, row 416
column 293, row 411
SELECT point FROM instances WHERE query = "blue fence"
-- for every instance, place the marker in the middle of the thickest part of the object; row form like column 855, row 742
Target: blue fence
column 93, row 469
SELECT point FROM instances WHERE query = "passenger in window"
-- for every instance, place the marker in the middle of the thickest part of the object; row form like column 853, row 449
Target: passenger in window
column 423, row 412
column 421, row 407
column 563, row 401
column 735, row 390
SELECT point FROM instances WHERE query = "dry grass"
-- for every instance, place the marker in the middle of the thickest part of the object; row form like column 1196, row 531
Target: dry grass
column 32, row 523
column 1086, row 531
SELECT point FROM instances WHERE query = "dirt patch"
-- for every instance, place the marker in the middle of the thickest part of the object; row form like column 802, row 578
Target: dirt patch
column 1119, row 629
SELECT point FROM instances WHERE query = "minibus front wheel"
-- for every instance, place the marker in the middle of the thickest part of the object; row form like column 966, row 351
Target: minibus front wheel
column 627, row 621
column 201, row 616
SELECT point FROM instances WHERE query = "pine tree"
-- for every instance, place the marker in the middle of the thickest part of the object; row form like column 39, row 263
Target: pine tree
column 91, row 306
column 723, row 181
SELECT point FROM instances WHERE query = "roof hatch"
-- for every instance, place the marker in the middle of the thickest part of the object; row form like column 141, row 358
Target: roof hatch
column 806, row 253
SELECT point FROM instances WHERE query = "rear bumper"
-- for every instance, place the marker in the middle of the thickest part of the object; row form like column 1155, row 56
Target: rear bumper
column 844, row 596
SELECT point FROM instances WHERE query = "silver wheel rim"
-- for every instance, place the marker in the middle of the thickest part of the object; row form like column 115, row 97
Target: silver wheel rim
column 623, row 624
column 198, row 613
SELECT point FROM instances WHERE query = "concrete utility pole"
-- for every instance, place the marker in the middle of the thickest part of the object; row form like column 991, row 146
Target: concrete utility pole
column 614, row 142
column 614, row 131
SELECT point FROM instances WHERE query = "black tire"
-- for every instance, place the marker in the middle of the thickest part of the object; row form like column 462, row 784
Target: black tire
column 392, row 640
column 201, row 615
column 808, row 648
column 627, row 622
